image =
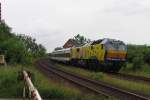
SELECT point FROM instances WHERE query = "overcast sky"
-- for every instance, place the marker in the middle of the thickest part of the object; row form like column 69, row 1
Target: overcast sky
column 53, row 22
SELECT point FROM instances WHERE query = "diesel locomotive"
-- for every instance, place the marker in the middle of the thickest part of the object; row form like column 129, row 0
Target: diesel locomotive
column 107, row 55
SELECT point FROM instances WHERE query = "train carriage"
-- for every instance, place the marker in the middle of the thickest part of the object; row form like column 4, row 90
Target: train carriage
column 103, row 54
column 61, row 55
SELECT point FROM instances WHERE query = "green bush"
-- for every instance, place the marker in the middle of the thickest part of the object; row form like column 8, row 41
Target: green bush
column 136, row 53
column 137, row 62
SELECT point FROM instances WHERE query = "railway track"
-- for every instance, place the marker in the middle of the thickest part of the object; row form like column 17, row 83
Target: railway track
column 128, row 77
column 134, row 78
column 93, row 85
column 141, row 79
column 144, row 80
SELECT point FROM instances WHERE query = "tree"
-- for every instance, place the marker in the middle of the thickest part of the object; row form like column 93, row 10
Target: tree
column 5, row 31
column 137, row 61
column 147, row 55
column 18, row 48
column 81, row 40
column 37, row 50
column 14, row 50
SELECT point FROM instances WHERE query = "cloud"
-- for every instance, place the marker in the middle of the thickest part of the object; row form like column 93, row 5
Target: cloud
column 129, row 7
column 53, row 22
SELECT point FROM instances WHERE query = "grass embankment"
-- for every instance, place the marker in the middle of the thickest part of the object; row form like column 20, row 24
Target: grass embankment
column 111, row 80
column 143, row 71
column 11, row 87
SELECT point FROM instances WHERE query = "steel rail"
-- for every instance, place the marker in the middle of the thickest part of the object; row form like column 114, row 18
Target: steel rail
column 95, row 85
column 72, row 80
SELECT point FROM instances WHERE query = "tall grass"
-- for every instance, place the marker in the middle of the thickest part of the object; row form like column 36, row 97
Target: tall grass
column 11, row 87
column 48, row 89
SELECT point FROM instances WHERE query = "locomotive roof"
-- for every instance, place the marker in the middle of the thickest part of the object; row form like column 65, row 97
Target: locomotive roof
column 103, row 41
column 107, row 40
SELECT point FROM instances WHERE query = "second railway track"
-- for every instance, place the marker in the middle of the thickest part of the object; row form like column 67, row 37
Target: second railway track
column 93, row 85
column 134, row 78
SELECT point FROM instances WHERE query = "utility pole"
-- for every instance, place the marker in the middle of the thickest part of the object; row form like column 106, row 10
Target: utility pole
column 0, row 14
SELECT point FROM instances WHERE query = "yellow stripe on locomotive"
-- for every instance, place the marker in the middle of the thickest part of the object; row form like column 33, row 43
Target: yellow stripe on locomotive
column 89, row 52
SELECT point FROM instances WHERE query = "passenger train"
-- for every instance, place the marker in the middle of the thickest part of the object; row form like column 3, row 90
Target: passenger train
column 107, row 55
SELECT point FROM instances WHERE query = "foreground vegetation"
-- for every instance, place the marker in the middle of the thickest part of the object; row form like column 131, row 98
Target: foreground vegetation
column 12, row 87
column 9, row 84
column 114, row 81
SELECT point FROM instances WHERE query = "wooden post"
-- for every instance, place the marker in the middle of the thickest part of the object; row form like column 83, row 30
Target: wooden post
column 32, row 90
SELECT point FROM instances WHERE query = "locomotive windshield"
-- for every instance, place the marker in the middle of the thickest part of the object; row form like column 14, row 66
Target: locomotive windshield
column 122, row 47
column 116, row 46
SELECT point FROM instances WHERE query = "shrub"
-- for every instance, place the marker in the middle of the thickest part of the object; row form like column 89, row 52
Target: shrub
column 137, row 62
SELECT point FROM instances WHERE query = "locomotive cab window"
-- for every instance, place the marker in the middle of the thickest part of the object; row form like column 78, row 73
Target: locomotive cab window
column 102, row 46
column 97, row 42
column 78, row 49
column 122, row 47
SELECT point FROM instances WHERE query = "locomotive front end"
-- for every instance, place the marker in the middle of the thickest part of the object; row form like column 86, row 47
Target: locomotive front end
column 116, row 51
column 115, row 54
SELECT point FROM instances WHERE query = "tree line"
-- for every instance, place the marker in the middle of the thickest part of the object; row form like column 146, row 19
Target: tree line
column 18, row 48
column 138, row 55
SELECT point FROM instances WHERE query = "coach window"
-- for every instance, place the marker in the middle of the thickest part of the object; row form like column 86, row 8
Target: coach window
column 63, row 55
column 78, row 49
column 102, row 46
column 92, row 47
column 67, row 54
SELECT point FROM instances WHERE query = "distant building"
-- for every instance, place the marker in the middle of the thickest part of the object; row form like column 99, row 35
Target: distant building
column 70, row 43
